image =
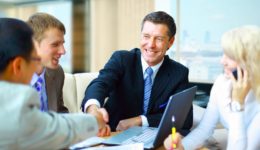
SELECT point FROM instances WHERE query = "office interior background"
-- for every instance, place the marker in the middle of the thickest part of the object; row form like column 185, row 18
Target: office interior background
column 96, row 28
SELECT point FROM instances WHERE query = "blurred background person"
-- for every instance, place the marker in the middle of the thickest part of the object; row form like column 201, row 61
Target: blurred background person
column 49, row 77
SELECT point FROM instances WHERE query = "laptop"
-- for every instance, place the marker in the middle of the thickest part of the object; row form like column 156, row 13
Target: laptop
column 178, row 106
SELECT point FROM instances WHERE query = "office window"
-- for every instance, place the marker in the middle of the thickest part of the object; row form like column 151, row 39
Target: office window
column 201, row 24
column 57, row 9
column 60, row 9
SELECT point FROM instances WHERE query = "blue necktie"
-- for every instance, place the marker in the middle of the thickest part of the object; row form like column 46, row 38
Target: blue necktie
column 147, row 87
column 38, row 86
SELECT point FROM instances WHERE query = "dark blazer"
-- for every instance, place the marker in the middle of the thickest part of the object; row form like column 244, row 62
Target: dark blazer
column 121, row 80
column 54, row 79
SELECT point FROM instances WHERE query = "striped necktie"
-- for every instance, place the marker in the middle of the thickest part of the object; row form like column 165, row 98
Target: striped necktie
column 38, row 86
column 147, row 88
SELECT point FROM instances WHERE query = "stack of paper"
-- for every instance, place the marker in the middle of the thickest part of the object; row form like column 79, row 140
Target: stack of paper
column 137, row 146
column 93, row 141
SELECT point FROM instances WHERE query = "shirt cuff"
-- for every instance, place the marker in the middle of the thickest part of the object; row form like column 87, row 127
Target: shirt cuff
column 91, row 102
column 144, row 121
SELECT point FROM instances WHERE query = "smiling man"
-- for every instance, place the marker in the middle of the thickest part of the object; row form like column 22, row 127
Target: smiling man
column 138, row 83
column 49, row 77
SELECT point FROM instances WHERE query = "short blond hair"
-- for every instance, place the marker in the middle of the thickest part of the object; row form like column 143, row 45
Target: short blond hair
column 41, row 22
column 243, row 45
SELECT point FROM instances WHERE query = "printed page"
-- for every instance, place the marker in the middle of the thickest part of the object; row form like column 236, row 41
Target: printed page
column 137, row 146
column 93, row 141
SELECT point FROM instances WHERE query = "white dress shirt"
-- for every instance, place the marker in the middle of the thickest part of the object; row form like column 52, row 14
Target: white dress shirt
column 243, row 127
column 144, row 66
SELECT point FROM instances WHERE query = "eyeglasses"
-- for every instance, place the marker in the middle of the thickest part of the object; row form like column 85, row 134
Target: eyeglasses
column 37, row 59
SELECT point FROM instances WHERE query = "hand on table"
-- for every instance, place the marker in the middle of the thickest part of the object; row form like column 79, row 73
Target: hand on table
column 127, row 123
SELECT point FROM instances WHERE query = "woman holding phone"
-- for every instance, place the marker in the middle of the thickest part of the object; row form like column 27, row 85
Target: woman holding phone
column 235, row 103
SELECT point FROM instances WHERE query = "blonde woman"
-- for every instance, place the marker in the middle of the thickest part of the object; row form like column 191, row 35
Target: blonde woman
column 235, row 103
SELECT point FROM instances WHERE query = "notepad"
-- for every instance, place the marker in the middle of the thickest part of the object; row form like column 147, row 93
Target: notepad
column 137, row 146
column 93, row 141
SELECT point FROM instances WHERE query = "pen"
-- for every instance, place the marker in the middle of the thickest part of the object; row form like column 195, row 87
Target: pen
column 173, row 136
column 173, row 133
column 164, row 104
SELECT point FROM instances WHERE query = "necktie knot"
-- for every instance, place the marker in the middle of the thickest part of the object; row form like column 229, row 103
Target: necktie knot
column 40, row 80
column 38, row 84
column 149, row 71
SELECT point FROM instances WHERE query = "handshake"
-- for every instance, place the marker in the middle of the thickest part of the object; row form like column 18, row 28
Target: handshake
column 103, row 118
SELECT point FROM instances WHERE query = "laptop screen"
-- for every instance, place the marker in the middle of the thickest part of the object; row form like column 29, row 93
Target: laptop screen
column 178, row 106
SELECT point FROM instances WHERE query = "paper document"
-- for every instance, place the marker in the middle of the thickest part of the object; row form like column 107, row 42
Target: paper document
column 137, row 146
column 87, row 143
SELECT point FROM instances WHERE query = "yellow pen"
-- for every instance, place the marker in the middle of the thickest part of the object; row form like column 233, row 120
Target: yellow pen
column 173, row 136
column 173, row 133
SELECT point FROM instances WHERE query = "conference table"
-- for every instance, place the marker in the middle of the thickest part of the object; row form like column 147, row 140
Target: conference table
column 159, row 148
column 114, row 133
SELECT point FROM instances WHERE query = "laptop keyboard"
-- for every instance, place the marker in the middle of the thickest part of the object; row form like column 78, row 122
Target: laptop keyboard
column 146, row 136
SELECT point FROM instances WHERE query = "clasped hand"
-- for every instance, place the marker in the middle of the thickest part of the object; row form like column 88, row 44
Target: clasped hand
column 102, row 119
column 241, row 85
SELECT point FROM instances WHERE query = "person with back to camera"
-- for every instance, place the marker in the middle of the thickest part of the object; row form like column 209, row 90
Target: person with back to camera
column 233, row 102
column 139, row 82
column 23, row 125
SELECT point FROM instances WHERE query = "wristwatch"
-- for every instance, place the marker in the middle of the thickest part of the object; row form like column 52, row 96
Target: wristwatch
column 236, row 106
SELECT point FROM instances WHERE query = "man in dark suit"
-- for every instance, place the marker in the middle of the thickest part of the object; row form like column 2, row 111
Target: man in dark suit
column 123, row 80
column 49, row 39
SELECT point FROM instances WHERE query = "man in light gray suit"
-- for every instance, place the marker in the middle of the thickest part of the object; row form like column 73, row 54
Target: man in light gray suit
column 23, row 125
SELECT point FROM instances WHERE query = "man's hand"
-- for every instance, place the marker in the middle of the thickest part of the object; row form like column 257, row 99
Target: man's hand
column 102, row 118
column 127, row 123
column 105, row 131
column 100, row 111
column 168, row 142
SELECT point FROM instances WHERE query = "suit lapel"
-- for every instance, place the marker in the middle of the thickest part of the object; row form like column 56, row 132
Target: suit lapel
column 50, row 89
column 161, row 81
column 140, row 81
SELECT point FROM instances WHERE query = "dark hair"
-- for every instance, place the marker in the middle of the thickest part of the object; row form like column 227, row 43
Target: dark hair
column 15, row 40
column 160, row 17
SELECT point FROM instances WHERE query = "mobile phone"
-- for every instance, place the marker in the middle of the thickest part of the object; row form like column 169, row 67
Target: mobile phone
column 235, row 74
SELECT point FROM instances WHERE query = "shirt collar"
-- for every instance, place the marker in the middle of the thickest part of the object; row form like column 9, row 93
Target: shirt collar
column 155, row 68
column 36, row 76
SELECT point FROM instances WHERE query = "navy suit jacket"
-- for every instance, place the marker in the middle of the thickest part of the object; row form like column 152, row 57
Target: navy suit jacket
column 121, row 80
